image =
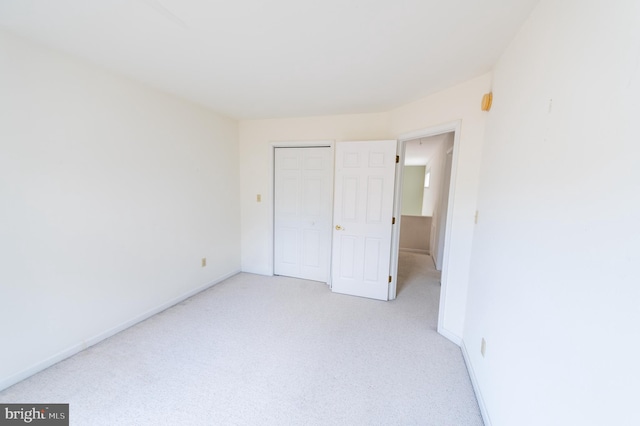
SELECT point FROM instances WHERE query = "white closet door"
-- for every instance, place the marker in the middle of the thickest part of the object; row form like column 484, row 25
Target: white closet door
column 302, row 212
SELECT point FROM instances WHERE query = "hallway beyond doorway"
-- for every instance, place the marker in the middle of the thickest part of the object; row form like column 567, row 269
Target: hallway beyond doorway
column 417, row 277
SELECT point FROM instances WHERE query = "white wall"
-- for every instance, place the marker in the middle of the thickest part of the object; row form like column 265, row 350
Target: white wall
column 428, row 193
column 440, row 192
column 555, row 283
column 111, row 193
column 436, row 166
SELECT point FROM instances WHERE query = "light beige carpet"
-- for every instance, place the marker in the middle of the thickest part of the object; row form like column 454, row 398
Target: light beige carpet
column 257, row 350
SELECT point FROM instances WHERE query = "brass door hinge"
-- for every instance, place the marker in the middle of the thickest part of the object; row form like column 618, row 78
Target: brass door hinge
column 393, row 220
column 397, row 158
column 389, row 278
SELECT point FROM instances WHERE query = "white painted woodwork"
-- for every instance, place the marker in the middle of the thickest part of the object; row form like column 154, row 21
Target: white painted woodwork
column 364, row 187
column 302, row 212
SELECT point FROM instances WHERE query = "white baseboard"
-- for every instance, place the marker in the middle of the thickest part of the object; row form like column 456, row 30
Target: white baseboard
column 80, row 346
column 449, row 335
column 410, row 250
column 476, row 387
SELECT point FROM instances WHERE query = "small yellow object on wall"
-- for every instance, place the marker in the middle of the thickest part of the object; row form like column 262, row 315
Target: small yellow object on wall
column 486, row 101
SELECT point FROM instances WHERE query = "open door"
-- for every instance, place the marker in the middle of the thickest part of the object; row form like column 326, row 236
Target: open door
column 362, row 218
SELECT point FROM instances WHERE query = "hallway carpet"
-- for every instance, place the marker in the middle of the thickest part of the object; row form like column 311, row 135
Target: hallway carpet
column 257, row 350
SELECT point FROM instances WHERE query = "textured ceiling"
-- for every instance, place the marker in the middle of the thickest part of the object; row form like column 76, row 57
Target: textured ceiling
column 280, row 58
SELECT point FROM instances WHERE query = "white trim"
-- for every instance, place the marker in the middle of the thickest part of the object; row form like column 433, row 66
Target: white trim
column 454, row 127
column 269, row 198
column 476, row 387
column 410, row 250
column 84, row 344
column 449, row 335
column 431, row 131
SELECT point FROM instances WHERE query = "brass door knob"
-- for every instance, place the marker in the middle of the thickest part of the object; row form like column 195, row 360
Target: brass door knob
column 339, row 228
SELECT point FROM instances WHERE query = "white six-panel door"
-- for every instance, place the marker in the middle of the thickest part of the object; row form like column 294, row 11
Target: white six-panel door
column 302, row 212
column 363, row 209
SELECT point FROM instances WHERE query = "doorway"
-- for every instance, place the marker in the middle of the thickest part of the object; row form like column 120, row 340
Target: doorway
column 445, row 234
column 422, row 187
column 425, row 180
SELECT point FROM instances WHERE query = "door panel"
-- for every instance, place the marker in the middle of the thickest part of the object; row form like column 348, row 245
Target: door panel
column 365, row 177
column 302, row 212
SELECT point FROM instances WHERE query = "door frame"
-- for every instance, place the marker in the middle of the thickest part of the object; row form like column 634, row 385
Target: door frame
column 454, row 127
column 270, row 198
